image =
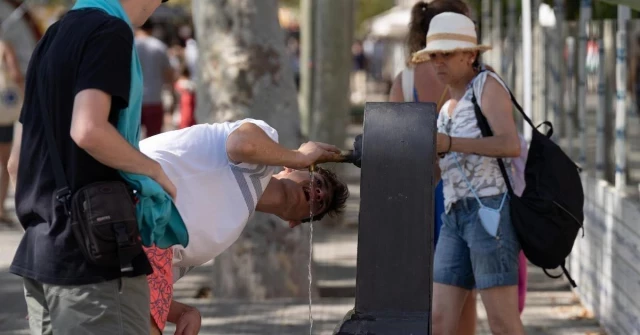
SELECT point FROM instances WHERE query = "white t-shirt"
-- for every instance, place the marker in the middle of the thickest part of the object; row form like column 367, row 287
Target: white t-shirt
column 215, row 197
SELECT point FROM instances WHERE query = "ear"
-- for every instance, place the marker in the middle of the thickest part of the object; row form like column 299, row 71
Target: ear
column 293, row 224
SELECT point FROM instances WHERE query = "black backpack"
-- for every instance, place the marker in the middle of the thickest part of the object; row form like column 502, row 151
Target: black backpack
column 549, row 214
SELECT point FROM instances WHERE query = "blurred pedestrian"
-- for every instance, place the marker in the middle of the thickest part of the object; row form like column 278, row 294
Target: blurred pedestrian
column 157, row 75
column 185, row 90
column 11, row 97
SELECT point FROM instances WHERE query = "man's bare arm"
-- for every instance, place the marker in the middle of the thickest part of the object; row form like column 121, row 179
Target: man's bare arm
column 91, row 131
column 250, row 144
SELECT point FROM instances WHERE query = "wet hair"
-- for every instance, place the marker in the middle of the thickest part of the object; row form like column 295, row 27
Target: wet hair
column 421, row 15
column 339, row 198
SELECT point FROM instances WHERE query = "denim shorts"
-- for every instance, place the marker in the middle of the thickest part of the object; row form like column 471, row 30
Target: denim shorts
column 467, row 256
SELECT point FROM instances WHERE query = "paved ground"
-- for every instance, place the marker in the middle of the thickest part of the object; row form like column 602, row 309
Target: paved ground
column 552, row 309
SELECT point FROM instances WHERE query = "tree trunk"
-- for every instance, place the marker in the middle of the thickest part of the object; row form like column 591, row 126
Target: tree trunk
column 245, row 73
column 307, row 63
column 333, row 67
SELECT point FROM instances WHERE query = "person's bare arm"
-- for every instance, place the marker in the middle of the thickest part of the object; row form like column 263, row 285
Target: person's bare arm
column 396, row 94
column 170, row 77
column 250, row 144
column 13, row 65
column 91, row 131
column 497, row 109
column 14, row 158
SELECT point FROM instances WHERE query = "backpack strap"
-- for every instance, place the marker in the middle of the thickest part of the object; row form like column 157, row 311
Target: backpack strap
column 486, row 131
column 408, row 75
column 483, row 124
column 566, row 274
column 518, row 107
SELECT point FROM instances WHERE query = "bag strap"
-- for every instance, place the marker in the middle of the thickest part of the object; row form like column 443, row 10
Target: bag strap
column 486, row 131
column 565, row 272
column 63, row 195
column 63, row 192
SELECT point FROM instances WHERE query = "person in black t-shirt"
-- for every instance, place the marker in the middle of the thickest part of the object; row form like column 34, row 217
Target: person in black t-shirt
column 80, row 75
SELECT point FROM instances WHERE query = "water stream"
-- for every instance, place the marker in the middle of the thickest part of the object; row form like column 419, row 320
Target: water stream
column 311, row 198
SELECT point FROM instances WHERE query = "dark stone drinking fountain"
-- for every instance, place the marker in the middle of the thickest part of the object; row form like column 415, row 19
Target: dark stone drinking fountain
column 395, row 232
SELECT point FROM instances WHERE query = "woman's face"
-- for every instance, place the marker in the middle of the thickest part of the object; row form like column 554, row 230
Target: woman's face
column 451, row 67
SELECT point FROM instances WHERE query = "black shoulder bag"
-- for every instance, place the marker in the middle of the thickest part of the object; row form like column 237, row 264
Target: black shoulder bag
column 102, row 214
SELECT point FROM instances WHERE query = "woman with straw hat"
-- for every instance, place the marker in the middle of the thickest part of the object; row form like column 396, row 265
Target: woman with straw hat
column 478, row 247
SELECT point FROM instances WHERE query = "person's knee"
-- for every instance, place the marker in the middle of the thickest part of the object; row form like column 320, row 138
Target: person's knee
column 500, row 325
column 446, row 308
column 505, row 322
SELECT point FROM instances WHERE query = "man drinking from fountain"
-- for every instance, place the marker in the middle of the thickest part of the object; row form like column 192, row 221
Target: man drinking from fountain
column 223, row 173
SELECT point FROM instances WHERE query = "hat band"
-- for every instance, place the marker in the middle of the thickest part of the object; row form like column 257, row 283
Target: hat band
column 452, row 37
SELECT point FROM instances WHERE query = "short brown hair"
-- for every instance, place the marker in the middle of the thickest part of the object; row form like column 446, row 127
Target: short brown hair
column 421, row 15
column 339, row 198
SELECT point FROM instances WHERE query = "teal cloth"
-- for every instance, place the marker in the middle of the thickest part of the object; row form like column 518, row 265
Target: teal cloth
column 159, row 221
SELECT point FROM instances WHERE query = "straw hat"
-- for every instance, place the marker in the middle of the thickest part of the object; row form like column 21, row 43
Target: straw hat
column 450, row 32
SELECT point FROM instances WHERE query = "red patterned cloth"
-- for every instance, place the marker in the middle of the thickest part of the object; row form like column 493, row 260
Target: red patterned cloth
column 160, row 284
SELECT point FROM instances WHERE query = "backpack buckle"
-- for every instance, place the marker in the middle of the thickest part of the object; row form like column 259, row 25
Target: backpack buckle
column 122, row 239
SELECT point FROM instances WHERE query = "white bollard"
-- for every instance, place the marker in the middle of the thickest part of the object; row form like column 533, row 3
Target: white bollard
column 512, row 16
column 557, row 73
column 601, row 115
column 527, row 65
column 585, row 16
column 570, row 90
column 486, row 22
column 496, row 40
column 621, row 110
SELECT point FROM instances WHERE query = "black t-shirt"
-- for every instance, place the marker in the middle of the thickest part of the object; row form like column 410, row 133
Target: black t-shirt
column 86, row 49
